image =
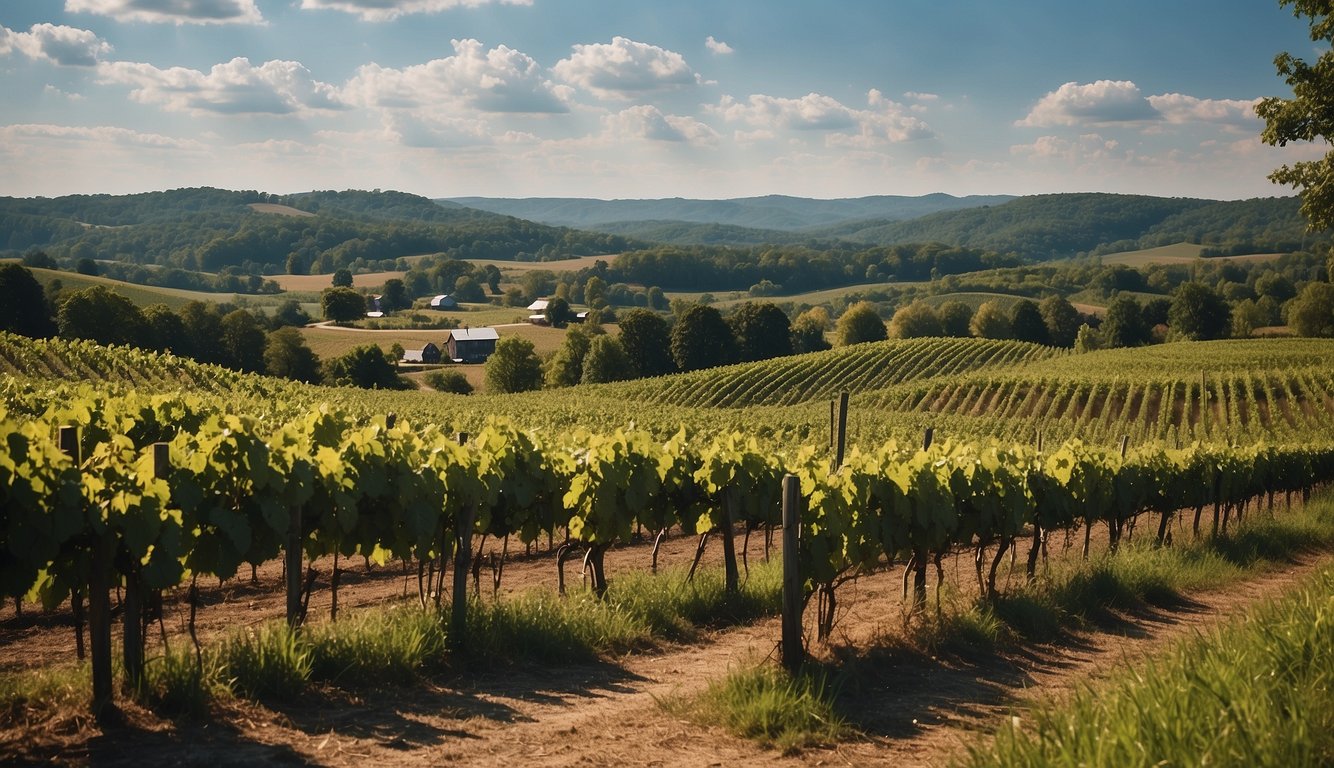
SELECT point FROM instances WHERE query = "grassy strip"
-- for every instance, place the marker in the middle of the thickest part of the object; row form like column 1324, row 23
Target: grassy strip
column 771, row 706
column 1073, row 593
column 398, row 645
column 1258, row 692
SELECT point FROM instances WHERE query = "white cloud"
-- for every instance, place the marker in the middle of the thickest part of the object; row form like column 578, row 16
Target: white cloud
column 66, row 46
column 623, row 68
column 1105, row 101
column 234, row 88
column 1087, row 148
column 717, row 46
column 499, row 80
column 916, row 96
column 648, row 122
column 1178, row 108
column 388, row 10
column 172, row 11
column 883, row 121
column 14, row 135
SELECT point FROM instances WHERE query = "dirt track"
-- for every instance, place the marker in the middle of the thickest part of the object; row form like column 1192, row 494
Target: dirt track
column 910, row 709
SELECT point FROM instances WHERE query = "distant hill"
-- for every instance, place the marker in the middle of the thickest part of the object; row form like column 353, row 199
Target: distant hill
column 770, row 212
column 1042, row 227
column 212, row 230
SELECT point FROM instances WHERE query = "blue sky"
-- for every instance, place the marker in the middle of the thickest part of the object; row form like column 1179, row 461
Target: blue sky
column 642, row 98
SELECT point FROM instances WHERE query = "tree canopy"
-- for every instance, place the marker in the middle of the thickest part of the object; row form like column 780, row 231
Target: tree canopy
column 513, row 367
column 859, row 324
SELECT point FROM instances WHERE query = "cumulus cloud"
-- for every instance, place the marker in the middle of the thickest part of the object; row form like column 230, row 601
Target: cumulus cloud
column 172, row 11
column 497, row 80
column 66, row 46
column 648, row 122
column 1178, row 108
column 234, row 88
column 717, row 46
column 882, row 121
column 1087, row 148
column 623, row 68
column 1104, row 101
column 388, row 10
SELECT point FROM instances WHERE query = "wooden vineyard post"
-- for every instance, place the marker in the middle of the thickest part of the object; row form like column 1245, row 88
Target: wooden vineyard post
column 928, row 437
column 841, row 430
column 292, row 565
column 99, row 600
column 458, row 619
column 793, row 652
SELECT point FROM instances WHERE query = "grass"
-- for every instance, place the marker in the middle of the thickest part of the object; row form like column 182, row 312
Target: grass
column 771, row 706
column 764, row 704
column 1258, row 692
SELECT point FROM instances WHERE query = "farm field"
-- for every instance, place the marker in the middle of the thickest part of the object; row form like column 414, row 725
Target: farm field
column 1260, row 410
column 1177, row 253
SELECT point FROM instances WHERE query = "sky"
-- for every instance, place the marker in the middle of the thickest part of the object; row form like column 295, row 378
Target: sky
column 644, row 98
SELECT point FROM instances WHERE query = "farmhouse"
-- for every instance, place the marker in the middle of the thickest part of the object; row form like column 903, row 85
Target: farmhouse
column 427, row 354
column 444, row 301
column 471, row 345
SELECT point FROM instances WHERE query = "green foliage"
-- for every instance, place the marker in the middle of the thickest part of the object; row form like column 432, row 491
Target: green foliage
column 448, row 381
column 702, row 339
column 1123, row 325
column 513, row 367
column 365, row 366
column 767, row 704
column 808, row 331
column 1027, row 324
column 1062, row 320
column 23, row 307
column 606, row 361
column 646, row 339
column 916, row 320
column 242, row 343
column 342, row 305
column 956, row 319
column 762, row 331
column 287, row 356
column 1312, row 312
column 342, row 278
column 100, row 315
column 991, row 321
column 1198, row 312
column 859, row 324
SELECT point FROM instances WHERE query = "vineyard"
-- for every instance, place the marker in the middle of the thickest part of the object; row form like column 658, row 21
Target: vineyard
column 177, row 472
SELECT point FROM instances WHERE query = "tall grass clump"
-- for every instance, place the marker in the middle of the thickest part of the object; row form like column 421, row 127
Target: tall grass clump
column 375, row 647
column 271, row 661
column 1259, row 692
column 23, row 694
column 771, row 706
column 178, row 683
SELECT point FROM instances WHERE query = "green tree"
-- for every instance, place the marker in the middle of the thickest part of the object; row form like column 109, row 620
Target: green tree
column 565, row 367
column 1307, row 116
column 1199, row 313
column 1312, row 312
column 23, row 307
column 491, row 274
column 467, row 289
column 762, row 331
column 342, row 278
column 513, row 367
column 1087, row 339
column 595, row 292
column 394, row 296
column 287, row 356
column 1026, row 323
column 448, row 380
column 859, row 324
column 86, row 266
column 606, row 361
column 104, row 317
column 1062, row 320
column 990, row 321
column 956, row 319
column 203, row 326
column 365, row 366
column 167, row 330
column 808, row 331
column 1246, row 317
column 242, row 342
column 1123, row 325
column 915, row 321
column 702, row 339
column 558, row 313
column 289, row 313
column 647, row 341
column 657, row 300
column 342, row 305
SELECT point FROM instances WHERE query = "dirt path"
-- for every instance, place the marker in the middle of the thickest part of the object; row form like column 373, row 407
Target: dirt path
column 911, row 709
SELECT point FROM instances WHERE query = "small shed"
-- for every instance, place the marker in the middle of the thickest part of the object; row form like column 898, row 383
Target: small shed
column 471, row 345
column 444, row 301
column 539, row 306
column 427, row 354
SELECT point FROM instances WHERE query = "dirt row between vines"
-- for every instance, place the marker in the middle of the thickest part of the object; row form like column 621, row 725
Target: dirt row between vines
column 909, row 708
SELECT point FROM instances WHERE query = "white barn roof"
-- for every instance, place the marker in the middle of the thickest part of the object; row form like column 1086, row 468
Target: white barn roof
column 474, row 334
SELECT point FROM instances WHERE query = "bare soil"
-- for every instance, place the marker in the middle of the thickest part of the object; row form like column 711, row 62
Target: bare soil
column 910, row 708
